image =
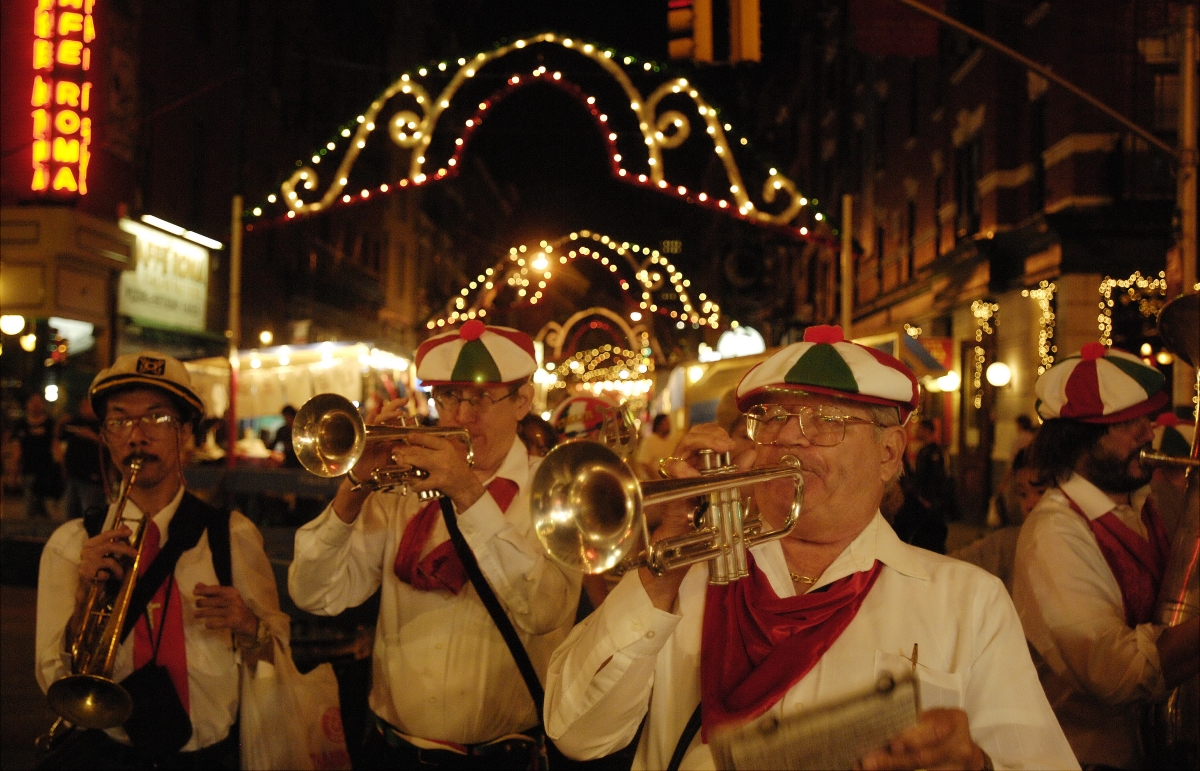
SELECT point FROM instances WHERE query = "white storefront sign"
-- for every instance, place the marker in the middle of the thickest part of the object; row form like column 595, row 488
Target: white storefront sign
column 169, row 284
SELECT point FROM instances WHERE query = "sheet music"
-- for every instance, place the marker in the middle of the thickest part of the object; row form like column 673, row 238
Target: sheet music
column 832, row 736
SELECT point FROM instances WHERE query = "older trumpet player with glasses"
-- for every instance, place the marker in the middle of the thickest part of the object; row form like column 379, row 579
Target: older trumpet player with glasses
column 824, row 612
column 203, row 602
column 445, row 688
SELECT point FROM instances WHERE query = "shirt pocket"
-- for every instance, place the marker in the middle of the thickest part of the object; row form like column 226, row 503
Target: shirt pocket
column 937, row 689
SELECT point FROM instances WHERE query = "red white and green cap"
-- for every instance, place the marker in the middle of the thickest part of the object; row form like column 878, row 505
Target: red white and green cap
column 580, row 415
column 827, row 363
column 476, row 354
column 1100, row 385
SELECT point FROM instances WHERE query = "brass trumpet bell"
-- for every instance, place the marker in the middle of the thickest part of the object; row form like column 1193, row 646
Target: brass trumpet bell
column 587, row 510
column 330, row 437
column 90, row 701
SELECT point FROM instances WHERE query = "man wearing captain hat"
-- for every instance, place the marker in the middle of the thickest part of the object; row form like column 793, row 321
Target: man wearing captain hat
column 825, row 612
column 215, row 607
column 445, row 689
column 1091, row 556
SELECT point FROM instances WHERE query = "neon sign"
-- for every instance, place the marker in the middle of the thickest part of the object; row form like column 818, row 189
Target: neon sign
column 64, row 31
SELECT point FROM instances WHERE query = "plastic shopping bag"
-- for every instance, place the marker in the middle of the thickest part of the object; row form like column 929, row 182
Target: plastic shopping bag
column 290, row 720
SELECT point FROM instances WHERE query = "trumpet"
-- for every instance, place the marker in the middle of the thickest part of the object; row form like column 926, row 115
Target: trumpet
column 1162, row 460
column 89, row 697
column 587, row 509
column 330, row 437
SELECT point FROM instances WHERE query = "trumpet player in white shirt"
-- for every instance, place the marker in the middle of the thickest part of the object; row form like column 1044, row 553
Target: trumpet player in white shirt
column 824, row 611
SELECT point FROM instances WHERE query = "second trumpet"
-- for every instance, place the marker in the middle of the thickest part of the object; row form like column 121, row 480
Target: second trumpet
column 330, row 437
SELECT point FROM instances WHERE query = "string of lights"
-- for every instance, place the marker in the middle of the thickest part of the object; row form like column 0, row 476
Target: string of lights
column 413, row 128
column 1148, row 293
column 528, row 271
column 985, row 314
column 1044, row 296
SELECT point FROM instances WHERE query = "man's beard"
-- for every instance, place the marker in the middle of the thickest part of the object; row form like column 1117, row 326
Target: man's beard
column 1112, row 475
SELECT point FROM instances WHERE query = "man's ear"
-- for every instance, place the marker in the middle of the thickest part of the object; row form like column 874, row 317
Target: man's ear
column 892, row 445
column 524, row 399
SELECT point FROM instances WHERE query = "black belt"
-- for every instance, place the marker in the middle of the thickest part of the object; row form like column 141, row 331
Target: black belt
column 523, row 744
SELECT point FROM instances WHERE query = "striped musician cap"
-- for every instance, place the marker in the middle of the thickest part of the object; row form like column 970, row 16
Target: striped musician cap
column 826, row 363
column 476, row 354
column 1100, row 385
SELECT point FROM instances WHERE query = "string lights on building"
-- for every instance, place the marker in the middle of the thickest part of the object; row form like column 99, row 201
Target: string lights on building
column 985, row 314
column 1148, row 293
column 413, row 126
column 1044, row 297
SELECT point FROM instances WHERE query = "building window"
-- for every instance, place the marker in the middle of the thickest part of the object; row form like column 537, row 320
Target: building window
column 937, row 216
column 881, row 135
column 914, row 98
column 1037, row 149
column 1166, row 102
column 880, row 244
column 910, row 235
column 966, row 189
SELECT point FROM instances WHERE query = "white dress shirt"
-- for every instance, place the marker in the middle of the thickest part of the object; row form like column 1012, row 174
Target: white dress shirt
column 441, row 670
column 972, row 656
column 1097, row 671
column 213, row 664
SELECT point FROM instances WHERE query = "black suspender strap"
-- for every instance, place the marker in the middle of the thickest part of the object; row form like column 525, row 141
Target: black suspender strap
column 685, row 739
column 188, row 524
column 507, row 631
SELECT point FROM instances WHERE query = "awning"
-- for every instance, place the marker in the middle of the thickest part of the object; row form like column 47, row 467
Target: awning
column 916, row 354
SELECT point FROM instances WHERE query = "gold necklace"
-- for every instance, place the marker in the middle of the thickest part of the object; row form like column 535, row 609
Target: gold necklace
column 801, row 579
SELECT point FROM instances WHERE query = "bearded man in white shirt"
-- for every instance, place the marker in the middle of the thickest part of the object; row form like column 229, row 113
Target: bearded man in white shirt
column 826, row 610
column 206, row 617
column 1091, row 557
column 445, row 690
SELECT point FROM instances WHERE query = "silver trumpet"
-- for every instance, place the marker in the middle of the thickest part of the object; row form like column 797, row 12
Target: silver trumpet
column 587, row 508
column 330, row 437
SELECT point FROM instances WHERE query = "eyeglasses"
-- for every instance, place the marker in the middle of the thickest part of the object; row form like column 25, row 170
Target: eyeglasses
column 822, row 426
column 151, row 423
column 448, row 400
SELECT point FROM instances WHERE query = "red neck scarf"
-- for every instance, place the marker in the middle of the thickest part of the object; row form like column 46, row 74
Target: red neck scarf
column 441, row 569
column 149, row 630
column 755, row 645
column 1137, row 564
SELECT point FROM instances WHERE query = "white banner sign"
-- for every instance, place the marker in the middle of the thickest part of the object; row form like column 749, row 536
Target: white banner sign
column 169, row 284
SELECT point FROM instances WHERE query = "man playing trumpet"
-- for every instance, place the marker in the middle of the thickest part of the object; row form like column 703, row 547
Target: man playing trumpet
column 445, row 690
column 1093, row 556
column 825, row 611
column 198, row 625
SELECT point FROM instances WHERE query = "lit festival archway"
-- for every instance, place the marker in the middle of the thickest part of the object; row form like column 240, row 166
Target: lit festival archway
column 651, row 282
column 419, row 122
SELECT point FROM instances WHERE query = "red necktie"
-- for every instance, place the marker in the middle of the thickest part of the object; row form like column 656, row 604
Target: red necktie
column 441, row 568
column 171, row 651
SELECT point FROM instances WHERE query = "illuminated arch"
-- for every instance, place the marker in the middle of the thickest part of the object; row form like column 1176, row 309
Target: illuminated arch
column 529, row 271
column 605, row 368
column 412, row 126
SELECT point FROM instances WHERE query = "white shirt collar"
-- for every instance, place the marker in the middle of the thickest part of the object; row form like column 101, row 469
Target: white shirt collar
column 877, row 541
column 515, row 465
column 162, row 518
column 1094, row 502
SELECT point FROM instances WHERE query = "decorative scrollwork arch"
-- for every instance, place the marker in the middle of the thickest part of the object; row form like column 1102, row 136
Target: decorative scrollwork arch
column 413, row 125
